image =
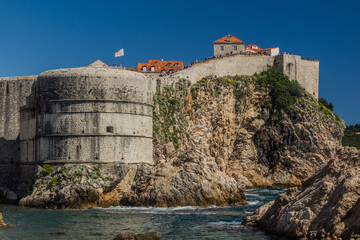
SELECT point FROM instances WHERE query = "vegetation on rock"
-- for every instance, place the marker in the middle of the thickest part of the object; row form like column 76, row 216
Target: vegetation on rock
column 326, row 104
column 352, row 136
column 284, row 93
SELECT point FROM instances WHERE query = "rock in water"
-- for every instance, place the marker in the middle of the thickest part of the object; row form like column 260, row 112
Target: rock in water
column 125, row 236
column 2, row 223
column 141, row 236
column 148, row 236
column 328, row 204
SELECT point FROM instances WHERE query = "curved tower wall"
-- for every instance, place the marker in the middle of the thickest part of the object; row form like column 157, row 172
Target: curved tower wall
column 93, row 115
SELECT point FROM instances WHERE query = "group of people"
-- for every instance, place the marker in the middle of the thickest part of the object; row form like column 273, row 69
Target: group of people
column 309, row 59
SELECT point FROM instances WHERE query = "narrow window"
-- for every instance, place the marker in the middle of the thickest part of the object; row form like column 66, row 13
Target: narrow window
column 235, row 48
column 221, row 48
column 110, row 129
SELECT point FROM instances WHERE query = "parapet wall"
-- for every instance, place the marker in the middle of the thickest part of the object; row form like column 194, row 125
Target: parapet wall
column 304, row 71
column 231, row 65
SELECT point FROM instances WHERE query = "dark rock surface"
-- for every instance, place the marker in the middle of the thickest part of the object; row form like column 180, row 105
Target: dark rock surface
column 141, row 236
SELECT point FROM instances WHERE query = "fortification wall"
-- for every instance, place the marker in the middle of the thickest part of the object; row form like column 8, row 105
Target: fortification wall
column 309, row 76
column 13, row 93
column 231, row 65
column 304, row 71
column 93, row 115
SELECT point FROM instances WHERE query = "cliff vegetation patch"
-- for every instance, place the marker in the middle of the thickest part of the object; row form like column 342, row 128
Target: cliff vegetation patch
column 283, row 92
column 352, row 136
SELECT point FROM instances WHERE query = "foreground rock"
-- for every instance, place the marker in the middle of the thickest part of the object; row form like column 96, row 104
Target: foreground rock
column 328, row 204
column 141, row 236
column 211, row 140
column 2, row 223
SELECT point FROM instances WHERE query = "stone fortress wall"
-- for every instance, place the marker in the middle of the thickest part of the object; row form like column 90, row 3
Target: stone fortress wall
column 89, row 115
column 306, row 72
column 13, row 93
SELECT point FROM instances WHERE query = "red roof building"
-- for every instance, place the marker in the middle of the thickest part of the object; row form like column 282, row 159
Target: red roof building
column 160, row 66
column 229, row 39
column 228, row 45
column 254, row 48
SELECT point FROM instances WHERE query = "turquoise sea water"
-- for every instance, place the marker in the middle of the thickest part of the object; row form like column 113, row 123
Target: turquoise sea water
column 106, row 223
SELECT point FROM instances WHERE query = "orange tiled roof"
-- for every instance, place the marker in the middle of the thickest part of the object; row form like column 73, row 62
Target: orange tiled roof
column 268, row 48
column 251, row 48
column 228, row 38
column 160, row 65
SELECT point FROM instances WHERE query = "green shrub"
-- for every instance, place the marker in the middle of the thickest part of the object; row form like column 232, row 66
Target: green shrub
column 95, row 174
column 109, row 179
column 284, row 93
column 45, row 171
column 351, row 136
column 48, row 168
column 327, row 104
column 54, row 181
column 325, row 110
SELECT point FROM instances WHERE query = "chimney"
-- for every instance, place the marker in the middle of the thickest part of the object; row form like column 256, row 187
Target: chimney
column 228, row 38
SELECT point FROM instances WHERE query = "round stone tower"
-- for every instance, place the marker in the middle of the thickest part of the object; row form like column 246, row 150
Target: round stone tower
column 94, row 114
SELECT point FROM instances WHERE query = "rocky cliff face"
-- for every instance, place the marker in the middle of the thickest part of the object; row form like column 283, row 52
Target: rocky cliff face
column 328, row 204
column 212, row 140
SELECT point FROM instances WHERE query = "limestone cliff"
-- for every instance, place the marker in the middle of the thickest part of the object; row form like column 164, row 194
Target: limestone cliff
column 211, row 140
column 328, row 204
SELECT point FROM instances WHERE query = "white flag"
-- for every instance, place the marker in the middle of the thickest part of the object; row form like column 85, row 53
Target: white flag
column 120, row 53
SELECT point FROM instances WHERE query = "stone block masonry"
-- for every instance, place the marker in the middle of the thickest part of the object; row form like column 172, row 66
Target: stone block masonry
column 13, row 94
column 90, row 115
column 304, row 71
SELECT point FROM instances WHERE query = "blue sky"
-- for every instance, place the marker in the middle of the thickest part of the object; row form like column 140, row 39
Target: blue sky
column 36, row 36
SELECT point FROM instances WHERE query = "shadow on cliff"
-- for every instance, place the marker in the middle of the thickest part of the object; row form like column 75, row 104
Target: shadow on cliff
column 15, row 178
